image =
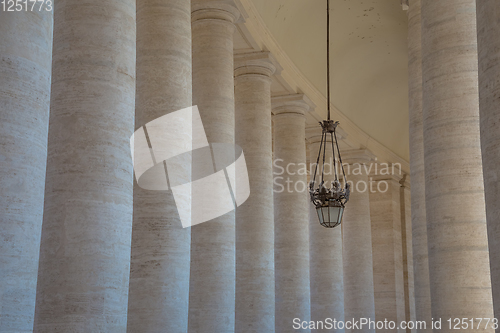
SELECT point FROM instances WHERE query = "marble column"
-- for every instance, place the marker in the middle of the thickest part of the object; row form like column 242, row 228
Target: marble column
column 455, row 208
column 388, row 278
column 255, row 218
column 291, row 213
column 25, row 70
column 325, row 246
column 160, row 263
column 488, row 28
column 359, row 301
column 417, row 173
column 212, row 277
column 84, row 266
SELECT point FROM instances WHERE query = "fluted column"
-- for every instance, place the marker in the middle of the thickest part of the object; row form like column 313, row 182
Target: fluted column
column 456, row 222
column 212, row 279
column 25, row 65
column 388, row 278
column 85, row 246
column 160, row 263
column 325, row 246
column 359, row 299
column 291, row 213
column 488, row 28
column 255, row 218
column 417, row 172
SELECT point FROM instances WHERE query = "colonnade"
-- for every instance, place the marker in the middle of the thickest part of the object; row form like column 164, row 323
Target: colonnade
column 453, row 268
column 84, row 248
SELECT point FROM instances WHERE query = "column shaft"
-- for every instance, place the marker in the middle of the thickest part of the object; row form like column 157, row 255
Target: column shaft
column 456, row 222
column 291, row 217
column 388, row 278
column 325, row 250
column 489, row 88
column 212, row 277
column 160, row 264
column 85, row 245
column 255, row 218
column 25, row 65
column 417, row 173
column 359, row 301
column 407, row 240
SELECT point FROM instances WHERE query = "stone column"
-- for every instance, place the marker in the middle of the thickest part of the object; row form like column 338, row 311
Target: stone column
column 291, row 213
column 85, row 245
column 417, row 173
column 212, row 279
column 359, row 299
column 489, row 70
column 407, row 240
column 456, row 220
column 388, row 278
column 25, row 69
column 255, row 218
column 160, row 264
column 325, row 245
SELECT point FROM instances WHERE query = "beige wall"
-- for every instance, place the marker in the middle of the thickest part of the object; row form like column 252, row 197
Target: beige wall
column 368, row 59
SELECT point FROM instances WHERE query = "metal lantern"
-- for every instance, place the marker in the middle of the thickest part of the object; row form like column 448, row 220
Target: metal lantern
column 329, row 201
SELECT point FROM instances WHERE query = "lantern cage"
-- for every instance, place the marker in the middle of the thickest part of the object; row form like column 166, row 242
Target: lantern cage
column 329, row 201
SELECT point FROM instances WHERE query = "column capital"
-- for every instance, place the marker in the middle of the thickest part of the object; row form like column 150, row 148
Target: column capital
column 214, row 10
column 357, row 156
column 298, row 104
column 255, row 63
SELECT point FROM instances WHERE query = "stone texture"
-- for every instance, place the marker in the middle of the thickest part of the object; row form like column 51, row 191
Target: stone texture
column 359, row 301
column 291, row 214
column 407, row 242
column 325, row 248
column 160, row 264
column 488, row 29
column 85, row 246
column 212, row 279
column 25, row 69
column 456, row 222
column 388, row 278
column 255, row 218
column 418, row 216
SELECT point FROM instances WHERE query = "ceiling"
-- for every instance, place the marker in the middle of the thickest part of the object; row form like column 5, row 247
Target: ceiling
column 368, row 59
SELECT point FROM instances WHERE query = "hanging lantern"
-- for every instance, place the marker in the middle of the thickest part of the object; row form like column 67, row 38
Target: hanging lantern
column 329, row 201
